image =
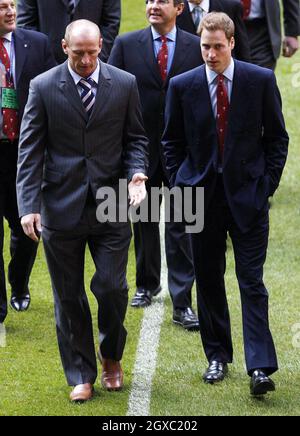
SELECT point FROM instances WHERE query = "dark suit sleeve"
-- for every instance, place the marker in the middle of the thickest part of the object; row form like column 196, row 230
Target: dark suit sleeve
column 173, row 139
column 109, row 25
column 291, row 13
column 242, row 47
column 116, row 57
column 27, row 14
column 49, row 60
column 135, row 143
column 31, row 154
column 275, row 137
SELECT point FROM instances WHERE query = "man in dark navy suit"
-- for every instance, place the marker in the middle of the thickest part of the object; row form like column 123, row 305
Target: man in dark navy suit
column 24, row 55
column 225, row 132
column 195, row 10
column 139, row 53
column 52, row 17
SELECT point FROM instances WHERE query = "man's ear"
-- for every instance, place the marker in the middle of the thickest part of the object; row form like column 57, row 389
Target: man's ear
column 64, row 46
column 232, row 43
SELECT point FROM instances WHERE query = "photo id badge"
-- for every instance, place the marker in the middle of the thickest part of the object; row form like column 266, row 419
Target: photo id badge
column 9, row 99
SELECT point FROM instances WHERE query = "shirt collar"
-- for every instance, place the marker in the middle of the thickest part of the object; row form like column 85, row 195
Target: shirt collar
column 77, row 78
column 203, row 5
column 171, row 36
column 228, row 73
column 7, row 36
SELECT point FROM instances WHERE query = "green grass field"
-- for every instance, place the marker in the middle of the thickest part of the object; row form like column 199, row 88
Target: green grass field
column 31, row 377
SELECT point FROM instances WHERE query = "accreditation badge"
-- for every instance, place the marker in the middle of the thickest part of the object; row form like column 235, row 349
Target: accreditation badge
column 9, row 99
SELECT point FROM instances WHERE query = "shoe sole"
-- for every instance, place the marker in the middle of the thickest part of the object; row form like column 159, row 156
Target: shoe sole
column 262, row 389
column 191, row 328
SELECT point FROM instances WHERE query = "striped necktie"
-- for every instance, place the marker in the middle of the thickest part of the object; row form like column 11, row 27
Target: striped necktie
column 71, row 7
column 197, row 16
column 87, row 95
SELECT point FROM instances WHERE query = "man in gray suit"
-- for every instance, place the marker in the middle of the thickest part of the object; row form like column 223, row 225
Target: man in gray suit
column 52, row 17
column 263, row 23
column 82, row 130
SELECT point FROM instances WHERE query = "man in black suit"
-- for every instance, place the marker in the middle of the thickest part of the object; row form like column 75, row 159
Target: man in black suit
column 52, row 17
column 195, row 10
column 263, row 23
column 82, row 130
column 217, row 139
column 23, row 55
column 138, row 53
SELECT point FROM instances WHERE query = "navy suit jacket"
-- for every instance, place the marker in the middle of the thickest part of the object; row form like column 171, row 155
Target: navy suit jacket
column 234, row 10
column 134, row 52
column 51, row 17
column 33, row 57
column 256, row 143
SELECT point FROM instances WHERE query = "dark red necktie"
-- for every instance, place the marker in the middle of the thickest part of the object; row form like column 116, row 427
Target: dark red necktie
column 10, row 116
column 162, row 58
column 247, row 8
column 222, row 113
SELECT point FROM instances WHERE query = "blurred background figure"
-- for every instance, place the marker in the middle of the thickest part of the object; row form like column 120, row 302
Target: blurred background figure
column 52, row 17
column 23, row 55
column 195, row 10
column 263, row 23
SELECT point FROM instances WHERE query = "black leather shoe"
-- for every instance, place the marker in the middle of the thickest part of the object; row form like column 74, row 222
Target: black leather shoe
column 260, row 383
column 143, row 297
column 216, row 372
column 186, row 318
column 20, row 304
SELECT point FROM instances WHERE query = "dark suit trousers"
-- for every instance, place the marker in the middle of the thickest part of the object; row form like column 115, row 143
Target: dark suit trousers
column 65, row 252
column 178, row 254
column 250, row 249
column 260, row 44
column 22, row 249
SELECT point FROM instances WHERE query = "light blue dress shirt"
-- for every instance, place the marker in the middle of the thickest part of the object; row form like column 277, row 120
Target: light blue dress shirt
column 213, row 84
column 257, row 9
column 171, row 43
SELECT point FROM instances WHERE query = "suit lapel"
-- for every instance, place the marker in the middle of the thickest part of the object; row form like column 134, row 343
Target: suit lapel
column 146, row 51
column 103, row 93
column 69, row 89
column 240, row 98
column 22, row 46
column 180, row 54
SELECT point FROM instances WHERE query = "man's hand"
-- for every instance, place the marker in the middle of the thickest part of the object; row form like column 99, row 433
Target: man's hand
column 137, row 189
column 32, row 225
column 290, row 46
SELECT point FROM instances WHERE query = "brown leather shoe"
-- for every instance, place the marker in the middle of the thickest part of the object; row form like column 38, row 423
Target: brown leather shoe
column 82, row 393
column 112, row 375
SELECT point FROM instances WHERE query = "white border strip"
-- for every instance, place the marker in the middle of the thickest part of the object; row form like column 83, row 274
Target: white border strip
column 2, row 336
column 145, row 364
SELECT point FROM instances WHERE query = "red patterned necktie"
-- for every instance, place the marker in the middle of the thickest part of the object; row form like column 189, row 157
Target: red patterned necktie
column 222, row 112
column 10, row 116
column 162, row 58
column 247, row 8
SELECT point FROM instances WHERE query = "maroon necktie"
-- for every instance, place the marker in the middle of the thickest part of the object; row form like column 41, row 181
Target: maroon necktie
column 222, row 113
column 162, row 58
column 10, row 116
column 247, row 8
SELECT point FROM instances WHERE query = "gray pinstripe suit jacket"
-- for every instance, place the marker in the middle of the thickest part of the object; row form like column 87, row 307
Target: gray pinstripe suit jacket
column 62, row 152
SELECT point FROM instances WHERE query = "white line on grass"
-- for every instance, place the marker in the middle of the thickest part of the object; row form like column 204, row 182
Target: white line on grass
column 2, row 336
column 145, row 364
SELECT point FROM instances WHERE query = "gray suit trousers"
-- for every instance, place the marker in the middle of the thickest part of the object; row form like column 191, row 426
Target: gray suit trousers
column 65, row 253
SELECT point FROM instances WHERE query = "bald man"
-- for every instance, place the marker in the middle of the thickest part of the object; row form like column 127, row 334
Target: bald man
column 82, row 130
